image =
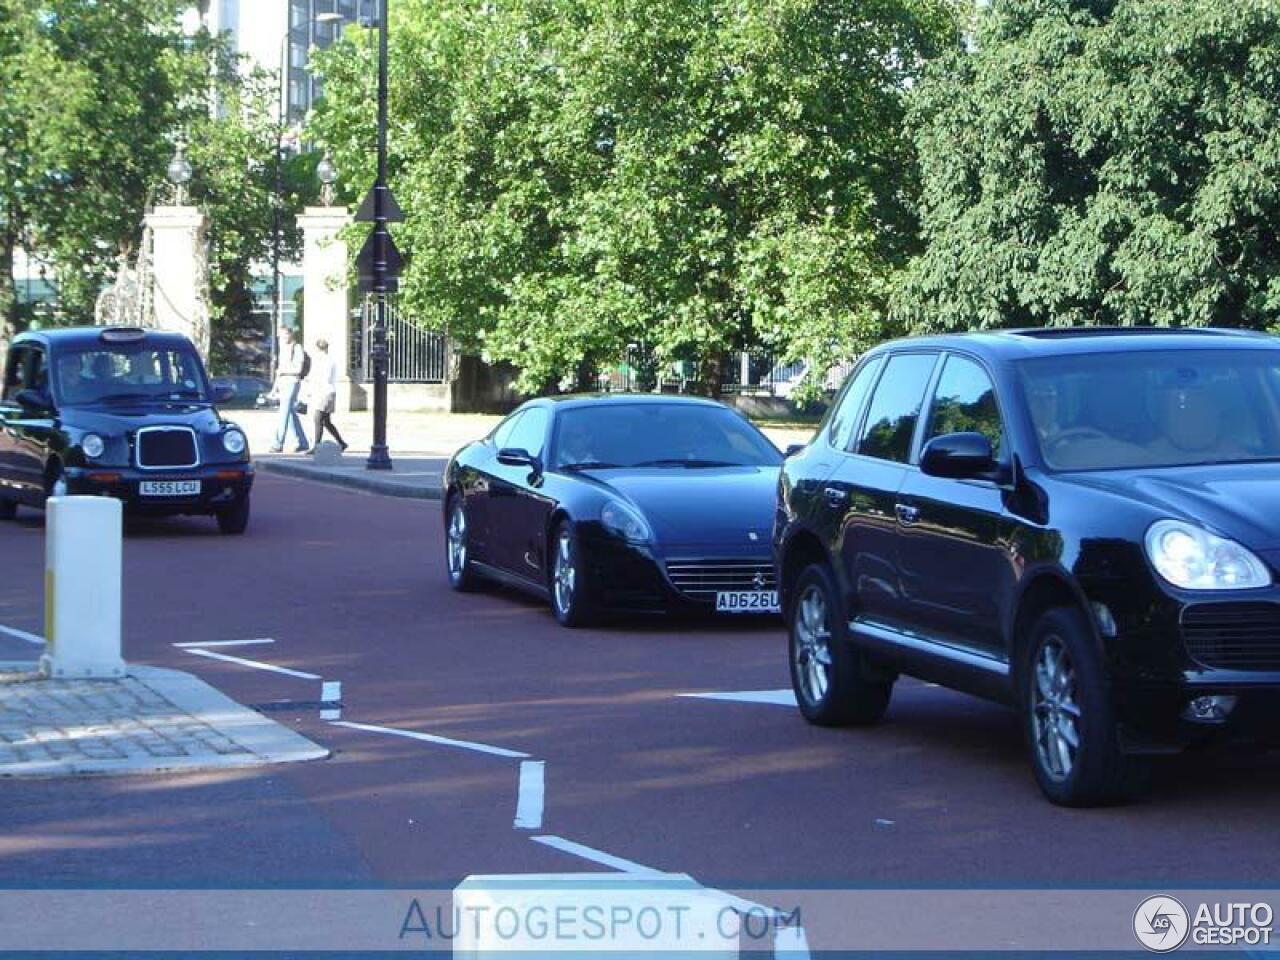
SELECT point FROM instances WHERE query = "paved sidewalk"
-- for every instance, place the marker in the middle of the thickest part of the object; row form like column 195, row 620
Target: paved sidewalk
column 151, row 721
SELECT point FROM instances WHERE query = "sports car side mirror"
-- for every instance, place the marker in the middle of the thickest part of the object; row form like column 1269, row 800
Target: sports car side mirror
column 516, row 457
column 223, row 393
column 792, row 450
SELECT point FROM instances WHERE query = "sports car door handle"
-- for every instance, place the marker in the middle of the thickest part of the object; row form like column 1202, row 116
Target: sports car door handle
column 834, row 496
column 907, row 515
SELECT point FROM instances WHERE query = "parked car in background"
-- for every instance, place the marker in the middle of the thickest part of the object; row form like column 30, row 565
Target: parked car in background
column 244, row 392
column 617, row 502
column 119, row 412
column 1082, row 523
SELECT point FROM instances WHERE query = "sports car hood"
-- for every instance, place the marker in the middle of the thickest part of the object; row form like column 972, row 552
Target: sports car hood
column 702, row 506
column 1241, row 500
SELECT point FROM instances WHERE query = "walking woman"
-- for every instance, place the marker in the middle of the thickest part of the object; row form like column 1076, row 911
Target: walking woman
column 289, row 376
column 322, row 386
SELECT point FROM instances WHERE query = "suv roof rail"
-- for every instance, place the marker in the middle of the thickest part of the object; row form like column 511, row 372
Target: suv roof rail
column 1053, row 333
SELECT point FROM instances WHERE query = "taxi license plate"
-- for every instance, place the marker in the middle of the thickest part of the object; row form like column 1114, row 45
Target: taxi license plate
column 747, row 601
column 169, row 488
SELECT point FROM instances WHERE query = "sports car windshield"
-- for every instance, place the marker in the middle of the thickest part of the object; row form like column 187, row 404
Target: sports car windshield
column 1159, row 408
column 121, row 373
column 673, row 435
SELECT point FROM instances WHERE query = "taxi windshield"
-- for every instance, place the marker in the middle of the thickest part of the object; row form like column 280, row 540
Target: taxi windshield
column 111, row 373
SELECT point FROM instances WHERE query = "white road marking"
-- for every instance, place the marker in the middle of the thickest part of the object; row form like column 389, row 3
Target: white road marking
column 255, row 664
column 330, row 715
column 532, row 789
column 782, row 698
column 330, row 691
column 227, row 643
column 22, row 635
column 596, row 856
column 788, row 941
column 432, row 738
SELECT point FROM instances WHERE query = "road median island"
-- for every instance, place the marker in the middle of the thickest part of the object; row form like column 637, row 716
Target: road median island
column 151, row 720
column 415, row 478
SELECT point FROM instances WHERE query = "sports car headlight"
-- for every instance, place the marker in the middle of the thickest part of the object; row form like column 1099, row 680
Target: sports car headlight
column 92, row 445
column 1195, row 559
column 233, row 442
column 625, row 522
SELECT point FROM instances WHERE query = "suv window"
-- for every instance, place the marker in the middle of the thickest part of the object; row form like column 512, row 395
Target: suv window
column 895, row 407
column 530, row 433
column 845, row 418
column 965, row 402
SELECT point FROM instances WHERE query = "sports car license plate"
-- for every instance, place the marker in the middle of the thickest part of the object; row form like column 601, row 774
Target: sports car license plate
column 747, row 601
column 169, row 488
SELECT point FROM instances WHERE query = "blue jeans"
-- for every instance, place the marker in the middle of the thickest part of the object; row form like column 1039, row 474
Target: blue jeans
column 288, row 415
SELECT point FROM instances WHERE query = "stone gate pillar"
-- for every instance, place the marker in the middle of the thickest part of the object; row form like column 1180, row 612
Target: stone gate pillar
column 179, row 274
column 326, row 296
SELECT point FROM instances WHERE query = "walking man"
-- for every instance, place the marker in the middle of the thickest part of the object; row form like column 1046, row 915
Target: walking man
column 288, row 385
column 322, row 388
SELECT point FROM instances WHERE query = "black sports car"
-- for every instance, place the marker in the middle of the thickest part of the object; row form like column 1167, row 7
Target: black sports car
column 622, row 502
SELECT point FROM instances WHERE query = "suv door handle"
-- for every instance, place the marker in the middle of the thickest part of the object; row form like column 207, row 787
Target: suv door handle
column 834, row 496
column 907, row 515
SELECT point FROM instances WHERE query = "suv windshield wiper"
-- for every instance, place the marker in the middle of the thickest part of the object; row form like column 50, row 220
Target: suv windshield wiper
column 688, row 462
column 590, row 465
column 120, row 397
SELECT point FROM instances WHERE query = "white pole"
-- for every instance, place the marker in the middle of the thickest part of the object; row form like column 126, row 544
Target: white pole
column 82, row 587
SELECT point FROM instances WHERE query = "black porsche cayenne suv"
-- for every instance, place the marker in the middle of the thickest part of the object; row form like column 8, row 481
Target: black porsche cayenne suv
column 1081, row 523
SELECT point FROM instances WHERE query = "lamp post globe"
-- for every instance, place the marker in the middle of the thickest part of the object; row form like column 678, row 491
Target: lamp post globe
column 178, row 173
column 327, row 174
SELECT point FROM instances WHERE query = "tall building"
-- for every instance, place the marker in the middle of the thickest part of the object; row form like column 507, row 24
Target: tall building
column 280, row 35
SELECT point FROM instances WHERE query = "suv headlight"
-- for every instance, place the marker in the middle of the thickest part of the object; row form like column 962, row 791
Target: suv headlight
column 92, row 445
column 625, row 522
column 1194, row 559
column 233, row 442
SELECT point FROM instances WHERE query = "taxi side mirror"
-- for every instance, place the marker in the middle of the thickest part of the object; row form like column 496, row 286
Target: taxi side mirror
column 32, row 401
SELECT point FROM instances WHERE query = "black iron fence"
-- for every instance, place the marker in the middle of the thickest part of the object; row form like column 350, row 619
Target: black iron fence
column 414, row 355
column 742, row 373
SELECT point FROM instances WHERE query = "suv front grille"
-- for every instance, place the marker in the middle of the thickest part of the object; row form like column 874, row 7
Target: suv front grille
column 703, row 579
column 1234, row 636
column 167, row 447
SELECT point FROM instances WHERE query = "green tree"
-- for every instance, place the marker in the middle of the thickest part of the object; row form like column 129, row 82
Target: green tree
column 691, row 175
column 1102, row 161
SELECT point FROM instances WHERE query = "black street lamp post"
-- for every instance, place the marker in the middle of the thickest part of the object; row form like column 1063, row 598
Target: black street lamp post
column 383, row 281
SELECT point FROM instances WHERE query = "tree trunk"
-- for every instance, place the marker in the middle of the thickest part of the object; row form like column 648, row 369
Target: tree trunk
column 8, row 288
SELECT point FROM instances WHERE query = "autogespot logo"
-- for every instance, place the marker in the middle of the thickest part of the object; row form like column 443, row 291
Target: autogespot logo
column 1161, row 924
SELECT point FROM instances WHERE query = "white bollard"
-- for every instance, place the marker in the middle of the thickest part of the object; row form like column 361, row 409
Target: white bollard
column 82, row 585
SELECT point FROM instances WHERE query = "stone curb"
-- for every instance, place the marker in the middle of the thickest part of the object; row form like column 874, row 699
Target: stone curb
column 372, row 482
column 266, row 741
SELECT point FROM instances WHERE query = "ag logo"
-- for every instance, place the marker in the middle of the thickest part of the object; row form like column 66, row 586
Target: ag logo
column 1161, row 924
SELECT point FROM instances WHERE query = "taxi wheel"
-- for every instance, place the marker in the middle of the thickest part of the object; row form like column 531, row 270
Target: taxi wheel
column 234, row 520
column 8, row 509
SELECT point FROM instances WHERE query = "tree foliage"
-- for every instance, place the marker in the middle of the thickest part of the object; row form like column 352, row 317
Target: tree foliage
column 688, row 175
column 1102, row 161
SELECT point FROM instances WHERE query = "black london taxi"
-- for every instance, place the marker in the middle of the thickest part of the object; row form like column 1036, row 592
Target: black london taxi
column 119, row 412
column 1081, row 523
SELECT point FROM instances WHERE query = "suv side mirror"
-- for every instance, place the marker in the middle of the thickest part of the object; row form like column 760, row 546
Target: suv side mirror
column 959, row 456
column 223, row 393
column 32, row 400
column 517, row 457
column 792, row 450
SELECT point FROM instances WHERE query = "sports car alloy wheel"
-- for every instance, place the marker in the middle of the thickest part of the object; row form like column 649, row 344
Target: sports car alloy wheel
column 456, row 551
column 1055, row 712
column 812, row 649
column 564, row 574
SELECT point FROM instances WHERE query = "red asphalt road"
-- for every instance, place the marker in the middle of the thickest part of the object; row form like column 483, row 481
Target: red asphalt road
column 351, row 587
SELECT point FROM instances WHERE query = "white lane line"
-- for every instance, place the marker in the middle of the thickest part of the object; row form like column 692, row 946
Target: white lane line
column 532, row 790
column 782, row 698
column 226, row 643
column 330, row 691
column 255, row 664
column 22, row 635
column 432, row 738
column 596, row 856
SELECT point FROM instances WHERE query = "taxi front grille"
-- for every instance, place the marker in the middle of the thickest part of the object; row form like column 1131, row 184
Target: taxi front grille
column 703, row 579
column 1233, row 636
column 167, row 448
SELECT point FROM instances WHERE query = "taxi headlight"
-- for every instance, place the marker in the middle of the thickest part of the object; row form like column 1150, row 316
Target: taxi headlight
column 233, row 442
column 92, row 445
column 1194, row 559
